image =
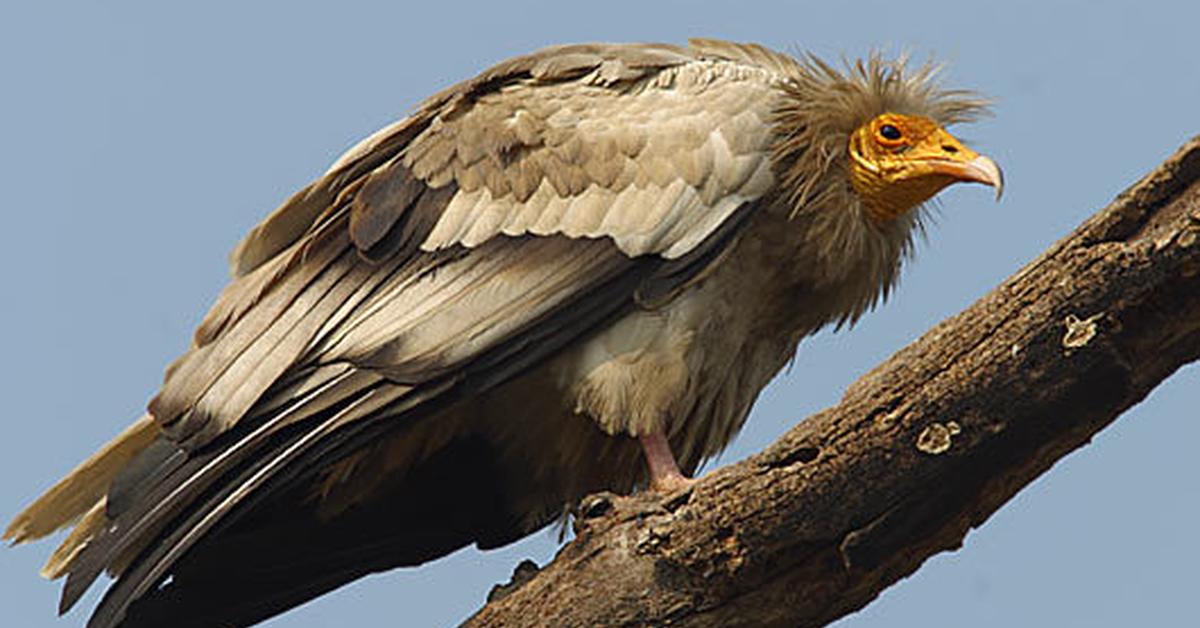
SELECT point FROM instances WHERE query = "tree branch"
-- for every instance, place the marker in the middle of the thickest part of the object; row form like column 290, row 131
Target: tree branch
column 921, row 449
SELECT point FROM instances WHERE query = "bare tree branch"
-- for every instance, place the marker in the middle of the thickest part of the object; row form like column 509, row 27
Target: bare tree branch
column 921, row 449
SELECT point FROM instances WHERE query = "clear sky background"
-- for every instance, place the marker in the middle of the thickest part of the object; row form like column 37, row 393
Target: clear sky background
column 140, row 141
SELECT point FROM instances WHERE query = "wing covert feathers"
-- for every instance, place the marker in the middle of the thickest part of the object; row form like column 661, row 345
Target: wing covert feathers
column 655, row 166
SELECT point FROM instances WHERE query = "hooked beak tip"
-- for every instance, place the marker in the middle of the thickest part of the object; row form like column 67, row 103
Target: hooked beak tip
column 998, row 178
column 980, row 169
column 984, row 170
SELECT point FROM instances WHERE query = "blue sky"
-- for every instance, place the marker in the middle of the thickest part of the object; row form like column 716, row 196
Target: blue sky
column 142, row 140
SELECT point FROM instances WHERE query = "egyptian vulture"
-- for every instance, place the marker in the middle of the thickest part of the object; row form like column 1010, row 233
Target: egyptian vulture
column 579, row 259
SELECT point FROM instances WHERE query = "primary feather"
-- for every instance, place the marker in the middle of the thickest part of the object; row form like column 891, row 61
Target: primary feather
column 469, row 321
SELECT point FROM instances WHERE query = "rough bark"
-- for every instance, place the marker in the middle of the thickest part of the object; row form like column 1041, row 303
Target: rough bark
column 920, row 450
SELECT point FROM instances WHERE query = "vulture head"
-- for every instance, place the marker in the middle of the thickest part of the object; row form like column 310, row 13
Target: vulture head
column 899, row 161
column 874, row 137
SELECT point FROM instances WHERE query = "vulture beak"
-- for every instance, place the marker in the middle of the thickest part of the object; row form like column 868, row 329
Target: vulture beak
column 944, row 154
column 975, row 167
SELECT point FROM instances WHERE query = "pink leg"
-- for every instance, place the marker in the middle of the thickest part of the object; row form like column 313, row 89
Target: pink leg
column 665, row 475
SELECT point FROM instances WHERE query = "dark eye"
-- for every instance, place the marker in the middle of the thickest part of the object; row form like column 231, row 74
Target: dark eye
column 889, row 132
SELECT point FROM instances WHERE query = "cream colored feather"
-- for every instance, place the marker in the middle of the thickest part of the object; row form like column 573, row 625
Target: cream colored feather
column 79, row 498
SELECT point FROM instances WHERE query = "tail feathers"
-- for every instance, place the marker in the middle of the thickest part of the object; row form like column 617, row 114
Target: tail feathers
column 91, row 523
column 80, row 494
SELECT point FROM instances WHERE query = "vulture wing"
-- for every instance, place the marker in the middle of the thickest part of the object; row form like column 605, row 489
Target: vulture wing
column 449, row 253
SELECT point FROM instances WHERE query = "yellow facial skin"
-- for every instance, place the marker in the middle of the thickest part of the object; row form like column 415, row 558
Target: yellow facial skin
column 899, row 161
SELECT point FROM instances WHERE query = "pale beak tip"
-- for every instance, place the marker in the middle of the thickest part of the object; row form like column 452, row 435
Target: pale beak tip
column 989, row 173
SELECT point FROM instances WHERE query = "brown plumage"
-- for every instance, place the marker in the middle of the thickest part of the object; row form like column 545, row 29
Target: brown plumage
column 494, row 306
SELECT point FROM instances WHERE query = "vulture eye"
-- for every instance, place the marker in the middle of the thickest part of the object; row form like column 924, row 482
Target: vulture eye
column 889, row 132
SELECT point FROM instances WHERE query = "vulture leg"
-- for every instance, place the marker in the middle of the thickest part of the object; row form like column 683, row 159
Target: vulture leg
column 665, row 475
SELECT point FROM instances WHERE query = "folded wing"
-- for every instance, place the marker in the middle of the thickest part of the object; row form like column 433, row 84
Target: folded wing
column 510, row 216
